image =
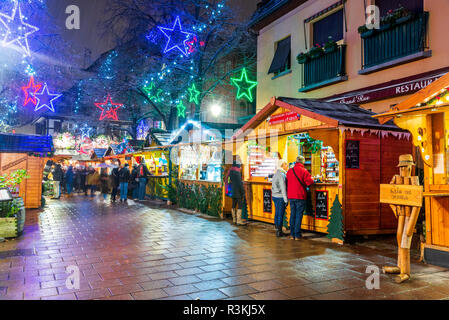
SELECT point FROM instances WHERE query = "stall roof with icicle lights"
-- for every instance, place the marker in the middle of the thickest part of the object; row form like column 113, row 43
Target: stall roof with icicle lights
column 411, row 114
column 183, row 134
column 327, row 114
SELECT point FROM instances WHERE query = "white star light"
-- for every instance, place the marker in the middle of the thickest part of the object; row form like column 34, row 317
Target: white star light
column 17, row 31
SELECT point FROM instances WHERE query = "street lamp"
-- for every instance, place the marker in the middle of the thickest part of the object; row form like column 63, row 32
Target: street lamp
column 215, row 109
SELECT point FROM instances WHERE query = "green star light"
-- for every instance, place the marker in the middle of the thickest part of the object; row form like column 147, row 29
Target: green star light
column 244, row 86
column 194, row 94
column 152, row 92
column 181, row 109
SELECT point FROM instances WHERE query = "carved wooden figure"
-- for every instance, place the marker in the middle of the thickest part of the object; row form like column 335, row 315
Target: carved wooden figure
column 407, row 217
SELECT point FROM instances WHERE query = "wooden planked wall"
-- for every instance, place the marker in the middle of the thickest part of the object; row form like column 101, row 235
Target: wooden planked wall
column 30, row 189
column 378, row 161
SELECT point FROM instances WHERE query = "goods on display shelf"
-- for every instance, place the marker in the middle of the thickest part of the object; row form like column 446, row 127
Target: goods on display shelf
column 157, row 163
column 188, row 162
column 261, row 163
column 200, row 162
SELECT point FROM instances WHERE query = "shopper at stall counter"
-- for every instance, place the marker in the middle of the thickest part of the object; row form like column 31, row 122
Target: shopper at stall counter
column 238, row 192
column 298, row 179
column 115, row 181
column 124, row 178
column 142, row 175
column 279, row 194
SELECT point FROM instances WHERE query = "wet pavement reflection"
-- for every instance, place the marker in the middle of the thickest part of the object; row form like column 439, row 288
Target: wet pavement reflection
column 132, row 251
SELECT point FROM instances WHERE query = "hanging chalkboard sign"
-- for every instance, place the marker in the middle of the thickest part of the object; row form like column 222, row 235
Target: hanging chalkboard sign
column 321, row 205
column 267, row 201
column 352, row 154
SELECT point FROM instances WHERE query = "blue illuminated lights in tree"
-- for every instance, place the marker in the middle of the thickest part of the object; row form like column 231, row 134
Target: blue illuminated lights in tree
column 176, row 37
column 142, row 130
column 45, row 99
column 17, row 30
column 85, row 132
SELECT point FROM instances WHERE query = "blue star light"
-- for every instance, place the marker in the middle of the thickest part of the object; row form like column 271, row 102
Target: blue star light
column 142, row 130
column 85, row 132
column 17, row 31
column 176, row 38
column 45, row 99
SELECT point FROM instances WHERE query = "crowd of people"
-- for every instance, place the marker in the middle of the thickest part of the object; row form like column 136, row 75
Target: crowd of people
column 120, row 181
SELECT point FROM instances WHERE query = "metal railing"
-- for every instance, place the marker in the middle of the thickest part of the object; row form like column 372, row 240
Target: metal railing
column 326, row 67
column 396, row 41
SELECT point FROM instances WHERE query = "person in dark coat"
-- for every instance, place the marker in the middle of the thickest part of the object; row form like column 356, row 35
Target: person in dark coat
column 115, row 181
column 142, row 175
column 57, row 178
column 133, row 186
column 69, row 180
column 238, row 192
column 104, row 182
column 124, row 180
column 83, row 176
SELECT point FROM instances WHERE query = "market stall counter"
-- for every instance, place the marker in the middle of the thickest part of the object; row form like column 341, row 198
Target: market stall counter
column 347, row 153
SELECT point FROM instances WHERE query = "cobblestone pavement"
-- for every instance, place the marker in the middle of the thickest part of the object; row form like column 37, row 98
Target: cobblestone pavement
column 136, row 252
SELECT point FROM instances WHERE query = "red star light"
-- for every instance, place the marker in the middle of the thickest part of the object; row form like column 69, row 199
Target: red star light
column 30, row 91
column 108, row 108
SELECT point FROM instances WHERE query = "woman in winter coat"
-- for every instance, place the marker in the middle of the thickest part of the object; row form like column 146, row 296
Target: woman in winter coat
column 279, row 194
column 238, row 192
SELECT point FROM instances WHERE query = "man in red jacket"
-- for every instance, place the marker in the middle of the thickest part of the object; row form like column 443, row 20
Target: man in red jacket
column 298, row 179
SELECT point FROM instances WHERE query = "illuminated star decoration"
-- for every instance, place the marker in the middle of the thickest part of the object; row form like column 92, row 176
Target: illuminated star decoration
column 244, row 86
column 108, row 108
column 45, row 99
column 191, row 44
column 142, row 130
column 194, row 94
column 85, row 132
column 181, row 109
column 152, row 92
column 17, row 31
column 176, row 38
column 30, row 91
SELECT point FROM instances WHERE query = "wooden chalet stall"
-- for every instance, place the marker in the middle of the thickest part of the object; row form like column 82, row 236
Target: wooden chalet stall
column 426, row 115
column 347, row 153
column 193, row 157
column 157, row 160
column 28, row 152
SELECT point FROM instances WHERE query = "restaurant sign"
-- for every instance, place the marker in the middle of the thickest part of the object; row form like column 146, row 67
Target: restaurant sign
column 284, row 117
column 383, row 92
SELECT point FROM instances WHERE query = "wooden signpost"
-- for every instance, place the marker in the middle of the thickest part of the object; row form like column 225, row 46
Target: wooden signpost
column 404, row 195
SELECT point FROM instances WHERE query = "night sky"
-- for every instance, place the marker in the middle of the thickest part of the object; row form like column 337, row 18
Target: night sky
column 90, row 36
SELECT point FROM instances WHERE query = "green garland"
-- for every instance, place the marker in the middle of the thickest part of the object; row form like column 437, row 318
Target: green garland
column 204, row 199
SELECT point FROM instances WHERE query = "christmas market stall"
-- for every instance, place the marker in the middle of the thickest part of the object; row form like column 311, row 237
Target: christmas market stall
column 426, row 116
column 25, row 154
column 157, row 160
column 195, row 168
column 347, row 153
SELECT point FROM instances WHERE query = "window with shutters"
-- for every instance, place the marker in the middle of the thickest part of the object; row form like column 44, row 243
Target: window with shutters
column 282, row 57
column 330, row 27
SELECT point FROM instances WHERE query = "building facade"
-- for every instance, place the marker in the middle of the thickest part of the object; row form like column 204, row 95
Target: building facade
column 375, row 69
